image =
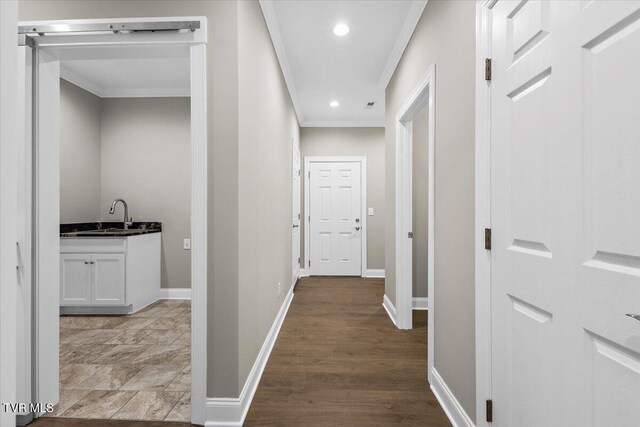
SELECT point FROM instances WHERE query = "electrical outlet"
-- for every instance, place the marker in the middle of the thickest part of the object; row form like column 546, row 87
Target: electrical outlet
column 279, row 289
column 186, row 244
column 370, row 211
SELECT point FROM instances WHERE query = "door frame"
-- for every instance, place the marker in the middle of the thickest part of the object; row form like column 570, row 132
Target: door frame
column 196, row 42
column 295, row 268
column 483, row 334
column 308, row 160
column 423, row 95
column 9, row 105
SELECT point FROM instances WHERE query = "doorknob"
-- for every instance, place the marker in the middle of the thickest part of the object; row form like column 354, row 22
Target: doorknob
column 634, row 316
column 295, row 226
column 357, row 228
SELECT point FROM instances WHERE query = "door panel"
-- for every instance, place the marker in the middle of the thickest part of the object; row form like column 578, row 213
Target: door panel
column 336, row 227
column 565, row 206
column 75, row 279
column 108, row 278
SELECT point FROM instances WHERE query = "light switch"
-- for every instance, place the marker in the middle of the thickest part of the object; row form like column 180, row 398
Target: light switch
column 186, row 245
column 370, row 211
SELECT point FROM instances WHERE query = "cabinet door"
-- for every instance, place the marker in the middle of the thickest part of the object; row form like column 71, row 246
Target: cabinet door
column 75, row 279
column 108, row 279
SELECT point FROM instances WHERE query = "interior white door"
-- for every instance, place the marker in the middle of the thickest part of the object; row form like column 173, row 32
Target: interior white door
column 295, row 214
column 565, row 207
column 335, row 205
column 47, row 223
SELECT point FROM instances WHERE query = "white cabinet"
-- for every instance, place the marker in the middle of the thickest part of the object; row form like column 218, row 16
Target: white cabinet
column 107, row 279
column 92, row 279
column 109, row 275
column 75, row 279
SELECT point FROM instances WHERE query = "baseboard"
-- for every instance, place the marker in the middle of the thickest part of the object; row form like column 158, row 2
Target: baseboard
column 375, row 273
column 449, row 403
column 231, row 412
column 175, row 293
column 303, row 273
column 420, row 303
column 391, row 310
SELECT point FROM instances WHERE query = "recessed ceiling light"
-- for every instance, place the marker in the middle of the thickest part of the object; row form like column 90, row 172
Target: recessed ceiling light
column 341, row 29
column 334, row 104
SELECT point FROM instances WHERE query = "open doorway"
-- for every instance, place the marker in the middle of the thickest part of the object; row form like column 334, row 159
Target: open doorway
column 415, row 124
column 118, row 209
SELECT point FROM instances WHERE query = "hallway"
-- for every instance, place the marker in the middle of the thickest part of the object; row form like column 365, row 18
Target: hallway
column 340, row 361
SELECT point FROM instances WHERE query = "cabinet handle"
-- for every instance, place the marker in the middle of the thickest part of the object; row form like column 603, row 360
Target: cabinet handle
column 86, row 262
column 92, row 262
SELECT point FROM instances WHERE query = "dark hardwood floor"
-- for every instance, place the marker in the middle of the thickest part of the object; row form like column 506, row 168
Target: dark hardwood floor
column 77, row 422
column 340, row 361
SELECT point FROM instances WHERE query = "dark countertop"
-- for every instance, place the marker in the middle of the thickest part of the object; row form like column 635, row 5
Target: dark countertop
column 108, row 229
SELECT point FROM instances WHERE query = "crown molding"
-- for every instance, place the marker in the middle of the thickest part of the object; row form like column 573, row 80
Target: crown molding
column 276, row 39
column 342, row 124
column 409, row 26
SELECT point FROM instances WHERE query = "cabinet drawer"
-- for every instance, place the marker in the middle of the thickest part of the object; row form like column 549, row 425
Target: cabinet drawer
column 75, row 245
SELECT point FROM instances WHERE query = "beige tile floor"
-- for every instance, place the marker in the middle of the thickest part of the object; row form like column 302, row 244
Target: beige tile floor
column 135, row 367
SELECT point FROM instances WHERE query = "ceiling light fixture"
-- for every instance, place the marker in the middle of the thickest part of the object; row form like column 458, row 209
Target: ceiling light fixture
column 341, row 29
column 334, row 104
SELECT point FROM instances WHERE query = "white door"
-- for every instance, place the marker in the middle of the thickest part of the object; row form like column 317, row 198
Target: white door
column 75, row 279
column 108, row 278
column 335, row 206
column 565, row 142
column 295, row 214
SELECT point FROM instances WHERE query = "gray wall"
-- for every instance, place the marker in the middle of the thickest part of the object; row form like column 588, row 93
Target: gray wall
column 420, row 180
column 444, row 36
column 223, row 161
column 367, row 142
column 146, row 160
column 268, row 128
column 79, row 154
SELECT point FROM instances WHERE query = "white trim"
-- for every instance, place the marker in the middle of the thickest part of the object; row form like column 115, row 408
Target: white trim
column 454, row 410
column 420, row 303
column 341, row 124
column 232, row 411
column 482, row 212
column 363, row 212
column 276, row 39
column 423, row 95
column 101, row 92
column 78, row 80
column 9, row 133
column 408, row 27
column 196, row 41
column 303, row 273
column 175, row 293
column 390, row 309
column 375, row 273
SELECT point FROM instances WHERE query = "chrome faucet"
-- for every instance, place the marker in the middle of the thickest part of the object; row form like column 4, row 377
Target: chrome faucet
column 127, row 221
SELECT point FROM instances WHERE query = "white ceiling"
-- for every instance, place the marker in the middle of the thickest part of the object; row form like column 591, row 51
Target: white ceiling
column 319, row 66
column 123, row 72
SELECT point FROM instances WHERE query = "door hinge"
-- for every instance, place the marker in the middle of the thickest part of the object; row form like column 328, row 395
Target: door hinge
column 410, row 234
column 298, row 216
column 298, row 260
column 487, row 239
column 487, row 69
column 309, row 263
column 489, row 407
